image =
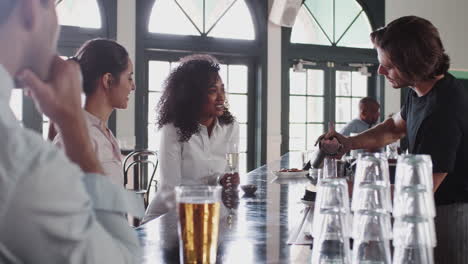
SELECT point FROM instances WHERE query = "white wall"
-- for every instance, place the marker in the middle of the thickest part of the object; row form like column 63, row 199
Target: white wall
column 449, row 16
column 126, row 37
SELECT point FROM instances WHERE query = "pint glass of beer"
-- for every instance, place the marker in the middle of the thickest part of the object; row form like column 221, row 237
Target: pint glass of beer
column 198, row 210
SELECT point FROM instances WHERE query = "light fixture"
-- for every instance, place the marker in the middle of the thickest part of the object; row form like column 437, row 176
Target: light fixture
column 298, row 65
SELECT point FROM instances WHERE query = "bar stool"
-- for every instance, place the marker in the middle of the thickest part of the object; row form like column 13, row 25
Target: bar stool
column 139, row 160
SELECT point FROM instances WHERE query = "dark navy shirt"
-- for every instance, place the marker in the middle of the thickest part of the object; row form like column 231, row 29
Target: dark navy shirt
column 437, row 124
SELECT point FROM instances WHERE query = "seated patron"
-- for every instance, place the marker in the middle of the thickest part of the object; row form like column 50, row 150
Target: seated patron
column 107, row 74
column 53, row 208
column 196, row 127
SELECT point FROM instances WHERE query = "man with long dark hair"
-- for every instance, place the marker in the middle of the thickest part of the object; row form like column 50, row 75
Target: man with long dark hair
column 53, row 209
column 433, row 118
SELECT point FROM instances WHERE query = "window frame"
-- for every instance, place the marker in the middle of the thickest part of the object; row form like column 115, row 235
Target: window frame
column 330, row 59
column 252, row 53
column 70, row 39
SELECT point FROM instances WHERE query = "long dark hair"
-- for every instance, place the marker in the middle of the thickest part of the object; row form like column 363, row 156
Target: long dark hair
column 185, row 93
column 414, row 47
column 98, row 57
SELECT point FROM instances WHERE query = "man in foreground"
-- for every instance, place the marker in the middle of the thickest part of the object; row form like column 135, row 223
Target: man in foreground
column 52, row 210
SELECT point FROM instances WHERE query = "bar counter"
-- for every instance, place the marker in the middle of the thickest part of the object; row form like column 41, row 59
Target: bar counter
column 256, row 231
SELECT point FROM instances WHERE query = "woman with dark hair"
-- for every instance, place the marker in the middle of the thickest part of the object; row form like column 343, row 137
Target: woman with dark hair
column 107, row 73
column 196, row 128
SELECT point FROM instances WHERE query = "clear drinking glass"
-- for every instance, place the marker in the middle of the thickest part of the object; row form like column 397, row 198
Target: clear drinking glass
column 198, row 211
column 376, row 198
column 371, row 252
column 415, row 172
column 333, row 196
column 414, row 232
column 327, row 251
column 331, row 224
column 371, row 226
column 408, row 202
column 371, row 171
column 413, row 255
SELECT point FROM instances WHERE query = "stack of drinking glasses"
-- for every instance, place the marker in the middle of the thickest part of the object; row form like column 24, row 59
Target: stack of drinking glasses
column 331, row 224
column 414, row 236
column 371, row 205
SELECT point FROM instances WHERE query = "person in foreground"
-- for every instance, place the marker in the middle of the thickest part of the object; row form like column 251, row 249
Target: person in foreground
column 196, row 128
column 433, row 118
column 53, row 209
column 107, row 82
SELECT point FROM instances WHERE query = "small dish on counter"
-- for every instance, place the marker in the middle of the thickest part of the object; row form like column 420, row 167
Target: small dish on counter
column 249, row 189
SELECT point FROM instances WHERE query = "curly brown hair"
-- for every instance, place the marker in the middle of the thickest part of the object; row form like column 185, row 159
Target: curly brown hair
column 185, row 93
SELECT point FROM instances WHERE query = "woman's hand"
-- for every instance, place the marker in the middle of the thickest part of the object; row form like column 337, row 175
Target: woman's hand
column 230, row 180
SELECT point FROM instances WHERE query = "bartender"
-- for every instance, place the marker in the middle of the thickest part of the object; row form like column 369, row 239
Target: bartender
column 411, row 54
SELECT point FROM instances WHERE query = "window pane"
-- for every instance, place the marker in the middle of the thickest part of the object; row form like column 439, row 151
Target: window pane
column 314, row 109
column 343, row 83
column 194, row 10
column 355, row 108
column 153, row 100
column 297, row 109
column 167, row 17
column 297, row 134
column 359, row 84
column 339, row 126
column 16, row 103
column 358, row 35
column 242, row 138
column 238, row 107
column 313, row 132
column 297, row 82
column 230, row 26
column 306, row 30
column 315, row 82
column 214, row 9
column 157, row 74
column 79, row 13
column 323, row 12
column 345, row 12
column 223, row 73
column 237, row 79
column 153, row 137
column 343, row 107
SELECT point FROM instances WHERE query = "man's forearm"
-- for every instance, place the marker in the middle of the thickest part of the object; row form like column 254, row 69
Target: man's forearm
column 376, row 137
column 78, row 146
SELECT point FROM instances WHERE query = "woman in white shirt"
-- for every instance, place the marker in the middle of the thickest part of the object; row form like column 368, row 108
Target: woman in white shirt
column 196, row 131
column 107, row 72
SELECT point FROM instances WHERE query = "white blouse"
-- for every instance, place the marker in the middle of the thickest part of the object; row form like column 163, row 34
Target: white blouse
column 200, row 160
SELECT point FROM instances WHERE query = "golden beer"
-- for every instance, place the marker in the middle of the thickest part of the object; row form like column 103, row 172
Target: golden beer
column 198, row 230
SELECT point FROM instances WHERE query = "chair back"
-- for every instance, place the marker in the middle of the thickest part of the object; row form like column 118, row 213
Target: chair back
column 139, row 161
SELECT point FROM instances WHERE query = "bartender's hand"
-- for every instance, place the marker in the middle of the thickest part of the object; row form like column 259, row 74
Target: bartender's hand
column 346, row 142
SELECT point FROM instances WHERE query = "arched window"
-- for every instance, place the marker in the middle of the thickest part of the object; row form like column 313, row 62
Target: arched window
column 330, row 65
column 79, row 13
column 175, row 28
column 202, row 18
column 332, row 23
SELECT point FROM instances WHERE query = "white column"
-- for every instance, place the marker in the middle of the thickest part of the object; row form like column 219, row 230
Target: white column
column 126, row 21
column 274, row 92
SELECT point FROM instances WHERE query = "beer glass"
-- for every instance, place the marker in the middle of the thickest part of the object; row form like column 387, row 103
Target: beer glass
column 198, row 210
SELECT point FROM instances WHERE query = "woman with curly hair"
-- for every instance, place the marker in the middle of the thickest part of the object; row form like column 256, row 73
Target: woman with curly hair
column 196, row 127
